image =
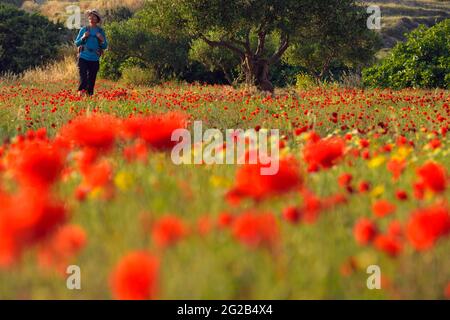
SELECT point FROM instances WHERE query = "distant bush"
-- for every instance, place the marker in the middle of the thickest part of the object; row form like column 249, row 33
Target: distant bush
column 130, row 44
column 305, row 81
column 422, row 61
column 26, row 40
column 139, row 76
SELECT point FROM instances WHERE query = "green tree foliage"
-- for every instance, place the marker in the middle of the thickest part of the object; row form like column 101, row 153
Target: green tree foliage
column 341, row 40
column 217, row 59
column 26, row 40
column 214, row 59
column 131, row 44
column 230, row 25
column 422, row 61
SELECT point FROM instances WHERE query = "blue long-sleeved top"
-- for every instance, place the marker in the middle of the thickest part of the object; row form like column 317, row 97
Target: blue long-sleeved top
column 91, row 44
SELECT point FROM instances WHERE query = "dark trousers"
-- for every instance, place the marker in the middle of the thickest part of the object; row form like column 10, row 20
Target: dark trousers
column 88, row 73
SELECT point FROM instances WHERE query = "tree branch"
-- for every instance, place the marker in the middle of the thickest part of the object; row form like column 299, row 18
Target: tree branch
column 224, row 44
column 261, row 43
column 326, row 65
column 283, row 47
column 247, row 42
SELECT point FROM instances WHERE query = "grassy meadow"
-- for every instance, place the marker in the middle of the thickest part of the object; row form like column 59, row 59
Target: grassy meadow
column 295, row 241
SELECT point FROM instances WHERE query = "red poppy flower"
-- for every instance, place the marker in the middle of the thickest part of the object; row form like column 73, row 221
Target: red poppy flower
column 382, row 208
column 86, row 158
column 401, row 195
column 250, row 183
column 435, row 143
column 66, row 243
column 364, row 231
column 138, row 151
column 27, row 218
column 396, row 167
column 225, row 220
column 427, row 225
column 345, row 179
column 168, row 231
column 364, row 143
column 388, row 244
column 135, row 277
column 364, row 186
column 256, row 229
column 324, row 153
column 36, row 163
column 97, row 175
column 447, row 291
column 292, row 214
column 156, row 130
column 299, row 131
column 395, row 229
column 311, row 206
column 433, row 176
column 97, row 131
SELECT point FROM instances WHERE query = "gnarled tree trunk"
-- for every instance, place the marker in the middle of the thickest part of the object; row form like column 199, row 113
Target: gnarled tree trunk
column 257, row 73
column 254, row 64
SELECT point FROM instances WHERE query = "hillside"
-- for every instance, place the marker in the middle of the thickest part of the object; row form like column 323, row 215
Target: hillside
column 402, row 16
column 56, row 9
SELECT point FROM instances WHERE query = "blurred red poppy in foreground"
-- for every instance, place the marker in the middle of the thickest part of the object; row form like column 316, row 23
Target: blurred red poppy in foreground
column 427, row 225
column 25, row 219
column 97, row 131
column 382, row 208
column 364, row 231
column 447, row 291
column 168, row 230
column 388, row 244
column 36, row 163
column 432, row 176
column 156, row 130
column 323, row 153
column 66, row 243
column 135, row 277
column 396, row 167
column 250, row 183
column 256, row 229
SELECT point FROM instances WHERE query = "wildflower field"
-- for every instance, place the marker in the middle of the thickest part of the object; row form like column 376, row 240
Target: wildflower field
column 89, row 182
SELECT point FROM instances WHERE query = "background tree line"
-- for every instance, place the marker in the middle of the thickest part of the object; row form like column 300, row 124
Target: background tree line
column 256, row 41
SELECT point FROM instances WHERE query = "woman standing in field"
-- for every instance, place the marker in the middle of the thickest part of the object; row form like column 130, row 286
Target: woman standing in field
column 91, row 41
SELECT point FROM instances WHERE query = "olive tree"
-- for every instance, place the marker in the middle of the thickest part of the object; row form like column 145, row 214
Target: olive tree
column 231, row 24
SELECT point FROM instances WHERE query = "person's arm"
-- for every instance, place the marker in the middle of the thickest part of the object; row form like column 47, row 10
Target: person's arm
column 80, row 38
column 104, row 44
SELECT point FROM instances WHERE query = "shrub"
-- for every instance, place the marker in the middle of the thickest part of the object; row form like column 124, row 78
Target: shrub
column 131, row 44
column 305, row 81
column 422, row 61
column 26, row 40
column 139, row 76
